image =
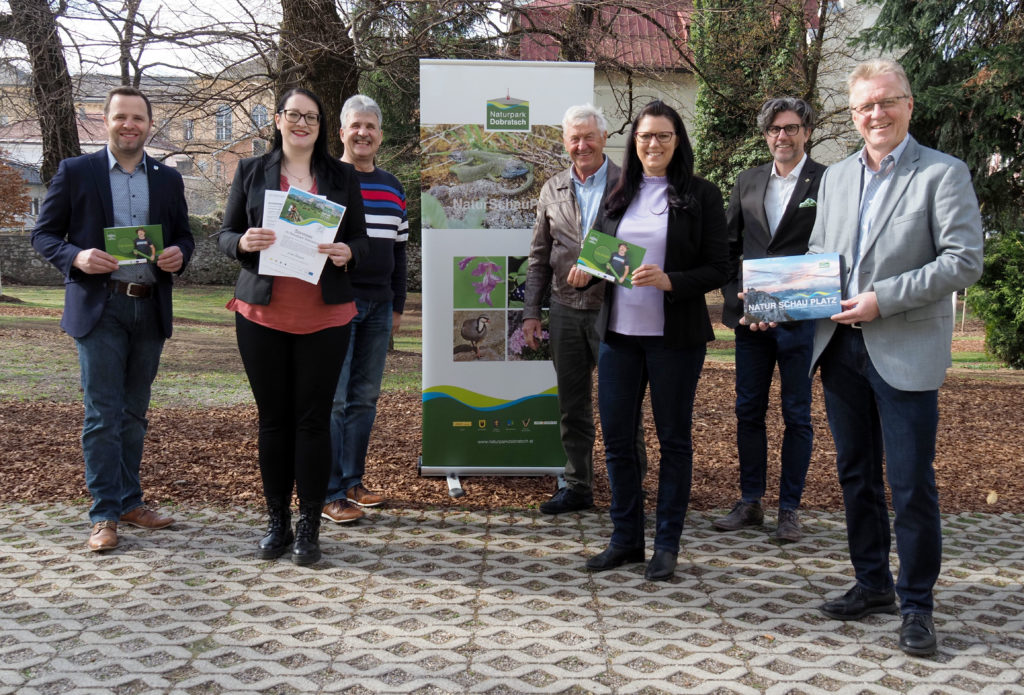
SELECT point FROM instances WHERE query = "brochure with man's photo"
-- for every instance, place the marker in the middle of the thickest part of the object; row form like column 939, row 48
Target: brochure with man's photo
column 791, row 288
column 131, row 245
column 610, row 258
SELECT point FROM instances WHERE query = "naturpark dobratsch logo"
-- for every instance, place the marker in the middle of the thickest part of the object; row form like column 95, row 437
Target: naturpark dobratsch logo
column 507, row 113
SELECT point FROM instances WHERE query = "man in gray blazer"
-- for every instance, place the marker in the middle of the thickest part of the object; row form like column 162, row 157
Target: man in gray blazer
column 905, row 220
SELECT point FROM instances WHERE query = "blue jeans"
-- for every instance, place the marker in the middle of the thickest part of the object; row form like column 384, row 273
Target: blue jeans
column 119, row 359
column 757, row 353
column 877, row 429
column 355, row 397
column 673, row 375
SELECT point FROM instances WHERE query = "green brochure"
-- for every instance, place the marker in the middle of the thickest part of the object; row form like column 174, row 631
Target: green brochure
column 610, row 258
column 130, row 245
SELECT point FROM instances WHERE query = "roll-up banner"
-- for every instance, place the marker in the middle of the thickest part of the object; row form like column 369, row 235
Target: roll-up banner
column 490, row 136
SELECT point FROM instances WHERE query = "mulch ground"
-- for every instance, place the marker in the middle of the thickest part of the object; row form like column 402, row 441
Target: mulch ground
column 208, row 456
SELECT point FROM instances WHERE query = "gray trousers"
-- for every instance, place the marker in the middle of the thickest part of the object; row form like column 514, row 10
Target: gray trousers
column 574, row 350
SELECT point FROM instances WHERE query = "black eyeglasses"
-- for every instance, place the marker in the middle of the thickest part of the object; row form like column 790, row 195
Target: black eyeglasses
column 886, row 105
column 790, row 129
column 663, row 137
column 293, row 116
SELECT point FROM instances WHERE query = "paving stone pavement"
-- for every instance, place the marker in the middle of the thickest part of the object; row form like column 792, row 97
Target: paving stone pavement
column 450, row 601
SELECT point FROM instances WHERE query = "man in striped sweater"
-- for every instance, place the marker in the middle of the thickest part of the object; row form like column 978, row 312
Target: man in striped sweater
column 379, row 286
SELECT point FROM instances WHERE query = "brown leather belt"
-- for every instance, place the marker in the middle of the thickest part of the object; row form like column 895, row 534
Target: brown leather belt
column 132, row 289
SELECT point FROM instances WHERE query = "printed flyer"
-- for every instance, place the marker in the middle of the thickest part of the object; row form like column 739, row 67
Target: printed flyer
column 609, row 258
column 131, row 245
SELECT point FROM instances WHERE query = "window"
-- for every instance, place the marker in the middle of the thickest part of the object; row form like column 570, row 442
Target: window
column 259, row 147
column 184, row 166
column 34, row 207
column 189, row 129
column 218, row 169
column 223, row 120
column 259, row 116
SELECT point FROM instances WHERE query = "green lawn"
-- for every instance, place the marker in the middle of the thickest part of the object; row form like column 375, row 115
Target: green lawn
column 190, row 375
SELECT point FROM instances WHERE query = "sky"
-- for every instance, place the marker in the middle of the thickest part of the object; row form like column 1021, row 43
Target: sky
column 90, row 40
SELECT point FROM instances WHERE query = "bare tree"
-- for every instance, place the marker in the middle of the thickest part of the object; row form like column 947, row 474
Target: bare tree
column 33, row 24
column 316, row 52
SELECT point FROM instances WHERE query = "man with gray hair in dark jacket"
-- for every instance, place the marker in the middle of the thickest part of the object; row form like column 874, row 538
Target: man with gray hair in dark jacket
column 571, row 204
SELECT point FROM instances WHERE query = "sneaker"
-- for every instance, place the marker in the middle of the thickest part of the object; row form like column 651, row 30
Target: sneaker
column 744, row 514
column 789, row 530
column 342, row 512
column 567, row 500
column 363, row 497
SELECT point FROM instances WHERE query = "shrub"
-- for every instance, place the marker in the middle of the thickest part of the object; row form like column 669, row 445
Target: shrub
column 998, row 297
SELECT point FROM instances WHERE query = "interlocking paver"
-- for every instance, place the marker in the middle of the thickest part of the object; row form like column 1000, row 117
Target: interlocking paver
column 445, row 601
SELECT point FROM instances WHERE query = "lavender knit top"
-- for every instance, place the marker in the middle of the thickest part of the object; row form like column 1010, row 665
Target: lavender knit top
column 640, row 310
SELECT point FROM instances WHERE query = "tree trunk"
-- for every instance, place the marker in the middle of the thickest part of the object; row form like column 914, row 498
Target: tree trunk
column 33, row 24
column 318, row 54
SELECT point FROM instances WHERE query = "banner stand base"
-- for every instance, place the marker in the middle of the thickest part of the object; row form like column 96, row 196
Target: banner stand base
column 454, row 486
column 452, row 474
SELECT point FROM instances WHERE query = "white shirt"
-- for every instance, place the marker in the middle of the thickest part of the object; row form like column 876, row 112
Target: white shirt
column 780, row 190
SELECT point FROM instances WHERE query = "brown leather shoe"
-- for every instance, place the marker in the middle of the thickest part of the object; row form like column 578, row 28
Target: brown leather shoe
column 342, row 512
column 103, row 536
column 789, row 530
column 144, row 517
column 363, row 497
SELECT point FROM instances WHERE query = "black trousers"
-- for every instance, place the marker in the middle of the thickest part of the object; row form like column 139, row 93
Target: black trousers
column 293, row 378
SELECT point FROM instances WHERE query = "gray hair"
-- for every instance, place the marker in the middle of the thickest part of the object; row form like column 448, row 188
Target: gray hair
column 773, row 107
column 877, row 67
column 583, row 113
column 360, row 103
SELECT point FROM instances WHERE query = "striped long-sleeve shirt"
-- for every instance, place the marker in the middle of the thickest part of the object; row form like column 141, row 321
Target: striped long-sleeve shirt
column 381, row 275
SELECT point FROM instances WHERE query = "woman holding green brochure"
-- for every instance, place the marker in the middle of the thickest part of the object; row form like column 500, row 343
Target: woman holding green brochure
column 659, row 327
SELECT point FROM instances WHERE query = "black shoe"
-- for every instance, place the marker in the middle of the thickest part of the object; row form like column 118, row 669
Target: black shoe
column 917, row 634
column 742, row 515
column 662, row 566
column 613, row 556
column 279, row 532
column 567, row 500
column 306, row 550
column 789, row 530
column 858, row 602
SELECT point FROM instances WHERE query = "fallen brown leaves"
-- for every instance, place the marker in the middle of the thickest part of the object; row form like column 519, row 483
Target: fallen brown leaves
column 208, row 456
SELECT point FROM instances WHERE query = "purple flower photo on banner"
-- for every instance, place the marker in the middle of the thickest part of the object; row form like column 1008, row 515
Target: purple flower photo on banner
column 491, row 273
column 479, row 282
column 518, row 350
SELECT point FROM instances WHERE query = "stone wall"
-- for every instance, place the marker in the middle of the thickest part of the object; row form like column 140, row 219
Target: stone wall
column 21, row 265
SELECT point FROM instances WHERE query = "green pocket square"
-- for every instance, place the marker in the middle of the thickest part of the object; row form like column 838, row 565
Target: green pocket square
column 809, row 203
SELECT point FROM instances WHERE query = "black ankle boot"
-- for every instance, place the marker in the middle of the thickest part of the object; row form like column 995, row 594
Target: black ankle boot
column 306, row 550
column 279, row 531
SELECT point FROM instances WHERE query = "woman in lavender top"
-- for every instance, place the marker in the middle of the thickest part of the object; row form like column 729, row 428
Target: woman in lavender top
column 657, row 330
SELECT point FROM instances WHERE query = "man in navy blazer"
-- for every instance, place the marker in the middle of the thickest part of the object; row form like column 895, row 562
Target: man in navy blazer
column 771, row 213
column 119, row 315
column 906, row 221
